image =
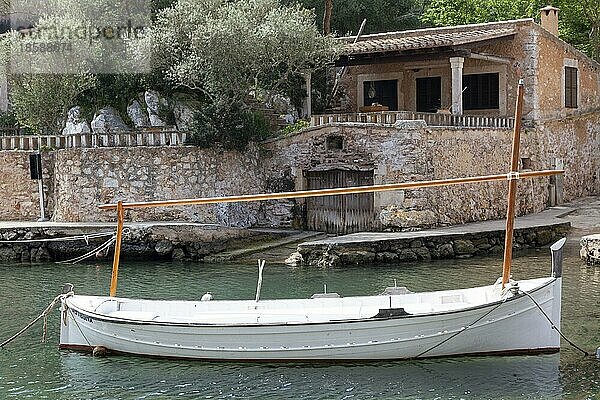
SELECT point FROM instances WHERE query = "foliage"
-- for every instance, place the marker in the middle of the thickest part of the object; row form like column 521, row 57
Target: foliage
column 295, row 127
column 229, row 49
column 579, row 21
column 8, row 120
column 381, row 15
column 228, row 127
column 460, row 12
column 42, row 101
column 579, row 24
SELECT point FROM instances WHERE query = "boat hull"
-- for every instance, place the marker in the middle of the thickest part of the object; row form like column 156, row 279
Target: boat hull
column 513, row 325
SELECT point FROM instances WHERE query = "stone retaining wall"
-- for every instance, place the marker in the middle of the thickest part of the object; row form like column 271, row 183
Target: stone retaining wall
column 395, row 251
column 86, row 178
column 155, row 241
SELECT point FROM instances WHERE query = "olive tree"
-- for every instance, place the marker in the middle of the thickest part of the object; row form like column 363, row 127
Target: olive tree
column 229, row 49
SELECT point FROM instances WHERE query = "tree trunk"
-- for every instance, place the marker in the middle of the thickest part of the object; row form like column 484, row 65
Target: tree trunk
column 327, row 17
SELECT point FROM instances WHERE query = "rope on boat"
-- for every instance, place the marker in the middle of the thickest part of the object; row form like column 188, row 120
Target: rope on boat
column 585, row 353
column 86, row 238
column 43, row 315
column 463, row 329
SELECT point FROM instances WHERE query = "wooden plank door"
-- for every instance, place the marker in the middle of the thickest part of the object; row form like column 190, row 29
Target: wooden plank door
column 340, row 214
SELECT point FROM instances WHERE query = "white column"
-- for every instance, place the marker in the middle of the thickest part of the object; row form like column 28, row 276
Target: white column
column 457, row 88
column 307, row 104
column 3, row 91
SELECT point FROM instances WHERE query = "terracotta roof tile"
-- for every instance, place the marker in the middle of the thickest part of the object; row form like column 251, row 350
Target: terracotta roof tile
column 429, row 38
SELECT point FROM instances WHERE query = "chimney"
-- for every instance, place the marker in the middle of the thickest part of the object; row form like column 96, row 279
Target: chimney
column 549, row 19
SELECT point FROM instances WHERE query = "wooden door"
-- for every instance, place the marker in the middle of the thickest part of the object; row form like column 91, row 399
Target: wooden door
column 340, row 214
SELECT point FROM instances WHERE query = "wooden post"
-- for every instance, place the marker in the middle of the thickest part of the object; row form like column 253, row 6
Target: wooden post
column 512, row 187
column 115, row 271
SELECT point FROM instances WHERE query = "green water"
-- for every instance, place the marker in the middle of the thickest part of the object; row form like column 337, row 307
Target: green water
column 30, row 369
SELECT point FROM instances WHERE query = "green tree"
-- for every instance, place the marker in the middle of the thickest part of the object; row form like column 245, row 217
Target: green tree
column 229, row 49
column 41, row 101
column 381, row 15
column 579, row 21
column 579, row 24
column 459, row 12
column 232, row 52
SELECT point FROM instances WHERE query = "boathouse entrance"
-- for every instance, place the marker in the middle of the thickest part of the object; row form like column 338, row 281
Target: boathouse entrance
column 340, row 214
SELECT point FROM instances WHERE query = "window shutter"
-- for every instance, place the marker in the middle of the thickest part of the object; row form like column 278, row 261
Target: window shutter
column 570, row 87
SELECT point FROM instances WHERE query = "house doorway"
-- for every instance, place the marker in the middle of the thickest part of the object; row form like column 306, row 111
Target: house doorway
column 340, row 214
column 429, row 94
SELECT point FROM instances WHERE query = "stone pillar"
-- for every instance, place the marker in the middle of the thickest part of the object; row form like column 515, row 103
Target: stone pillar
column 457, row 88
column 307, row 104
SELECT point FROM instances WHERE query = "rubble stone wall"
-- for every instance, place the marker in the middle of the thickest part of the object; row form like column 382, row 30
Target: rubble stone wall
column 19, row 194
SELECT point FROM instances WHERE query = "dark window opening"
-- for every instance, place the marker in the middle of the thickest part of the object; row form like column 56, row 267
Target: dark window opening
column 335, row 143
column 429, row 94
column 570, row 87
column 384, row 93
column 481, row 91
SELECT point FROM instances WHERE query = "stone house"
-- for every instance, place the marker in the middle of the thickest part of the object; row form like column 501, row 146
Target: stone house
column 462, row 82
column 471, row 70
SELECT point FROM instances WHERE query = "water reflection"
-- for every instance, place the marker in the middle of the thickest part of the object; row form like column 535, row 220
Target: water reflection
column 484, row 377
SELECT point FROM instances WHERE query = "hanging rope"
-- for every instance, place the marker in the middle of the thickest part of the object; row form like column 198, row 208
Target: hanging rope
column 93, row 253
column 86, row 238
column 43, row 315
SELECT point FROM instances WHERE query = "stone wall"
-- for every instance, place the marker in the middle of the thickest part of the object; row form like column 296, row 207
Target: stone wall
column 86, row 178
column 141, row 241
column 411, row 151
column 19, row 194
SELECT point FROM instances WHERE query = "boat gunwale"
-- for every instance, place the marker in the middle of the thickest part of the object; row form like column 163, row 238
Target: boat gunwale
column 125, row 321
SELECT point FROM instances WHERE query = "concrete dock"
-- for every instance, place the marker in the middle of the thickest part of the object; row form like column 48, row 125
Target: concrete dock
column 459, row 241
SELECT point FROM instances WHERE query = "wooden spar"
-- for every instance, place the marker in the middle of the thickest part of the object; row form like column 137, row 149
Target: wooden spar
column 329, row 192
column 115, row 270
column 512, row 187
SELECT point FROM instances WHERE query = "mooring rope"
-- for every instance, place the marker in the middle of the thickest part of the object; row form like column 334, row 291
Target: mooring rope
column 43, row 315
column 86, row 238
column 585, row 353
column 92, row 253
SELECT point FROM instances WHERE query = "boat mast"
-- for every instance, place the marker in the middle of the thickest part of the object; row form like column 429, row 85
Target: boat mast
column 117, row 256
column 513, row 176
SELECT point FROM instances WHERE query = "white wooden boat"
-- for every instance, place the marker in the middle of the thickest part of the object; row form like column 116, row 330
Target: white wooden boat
column 394, row 325
column 506, row 317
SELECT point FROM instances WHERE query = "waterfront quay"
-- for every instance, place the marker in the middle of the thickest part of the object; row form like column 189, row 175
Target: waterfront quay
column 41, row 241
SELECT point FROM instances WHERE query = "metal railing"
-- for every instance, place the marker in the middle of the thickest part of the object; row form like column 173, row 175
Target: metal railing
column 89, row 140
column 431, row 119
